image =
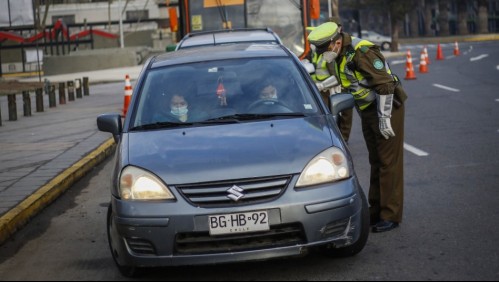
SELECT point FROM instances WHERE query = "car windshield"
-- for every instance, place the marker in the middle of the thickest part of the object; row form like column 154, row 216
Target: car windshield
column 227, row 91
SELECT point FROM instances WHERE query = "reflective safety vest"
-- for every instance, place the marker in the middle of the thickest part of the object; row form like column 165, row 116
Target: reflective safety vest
column 321, row 71
column 353, row 80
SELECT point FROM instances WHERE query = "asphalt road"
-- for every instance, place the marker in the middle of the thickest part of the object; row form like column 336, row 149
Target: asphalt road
column 449, row 231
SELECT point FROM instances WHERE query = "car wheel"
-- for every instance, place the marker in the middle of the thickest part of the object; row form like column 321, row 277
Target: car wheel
column 356, row 247
column 125, row 270
column 386, row 46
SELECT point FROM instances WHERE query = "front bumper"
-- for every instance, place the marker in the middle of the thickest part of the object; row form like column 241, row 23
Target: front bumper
column 156, row 234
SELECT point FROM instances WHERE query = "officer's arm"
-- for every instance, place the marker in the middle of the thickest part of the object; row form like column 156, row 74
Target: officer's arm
column 371, row 63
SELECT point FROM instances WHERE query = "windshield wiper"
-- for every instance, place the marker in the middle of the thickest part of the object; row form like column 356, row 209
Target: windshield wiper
column 159, row 125
column 245, row 117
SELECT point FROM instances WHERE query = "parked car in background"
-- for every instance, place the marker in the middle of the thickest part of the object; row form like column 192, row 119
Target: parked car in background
column 229, row 36
column 385, row 42
column 228, row 154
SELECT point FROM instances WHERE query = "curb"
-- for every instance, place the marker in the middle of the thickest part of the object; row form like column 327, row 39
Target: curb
column 18, row 216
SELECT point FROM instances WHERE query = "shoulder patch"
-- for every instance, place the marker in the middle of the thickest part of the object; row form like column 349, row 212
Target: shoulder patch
column 364, row 49
column 378, row 64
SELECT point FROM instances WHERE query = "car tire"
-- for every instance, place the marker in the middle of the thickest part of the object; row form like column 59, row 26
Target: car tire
column 356, row 247
column 386, row 46
column 125, row 270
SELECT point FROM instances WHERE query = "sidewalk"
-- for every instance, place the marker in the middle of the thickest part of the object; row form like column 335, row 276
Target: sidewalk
column 43, row 155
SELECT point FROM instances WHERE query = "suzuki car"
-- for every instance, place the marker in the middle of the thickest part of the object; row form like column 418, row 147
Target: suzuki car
column 229, row 154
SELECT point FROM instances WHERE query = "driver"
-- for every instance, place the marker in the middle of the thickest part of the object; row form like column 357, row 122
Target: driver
column 269, row 92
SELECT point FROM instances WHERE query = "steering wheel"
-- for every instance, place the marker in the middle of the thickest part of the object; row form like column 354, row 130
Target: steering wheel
column 267, row 103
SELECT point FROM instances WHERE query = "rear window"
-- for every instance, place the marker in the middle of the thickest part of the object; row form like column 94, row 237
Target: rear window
column 205, row 91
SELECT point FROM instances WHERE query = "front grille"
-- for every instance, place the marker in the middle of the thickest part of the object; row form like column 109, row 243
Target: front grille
column 140, row 246
column 203, row 243
column 252, row 190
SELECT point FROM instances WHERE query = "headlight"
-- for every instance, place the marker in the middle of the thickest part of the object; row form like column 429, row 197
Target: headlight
column 138, row 184
column 329, row 166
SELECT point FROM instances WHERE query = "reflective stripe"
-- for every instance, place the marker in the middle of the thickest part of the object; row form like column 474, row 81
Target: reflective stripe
column 321, row 71
column 354, row 81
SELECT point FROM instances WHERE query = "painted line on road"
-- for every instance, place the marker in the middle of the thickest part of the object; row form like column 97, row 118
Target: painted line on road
column 481, row 57
column 447, row 88
column 398, row 62
column 497, row 100
column 415, row 151
column 497, row 67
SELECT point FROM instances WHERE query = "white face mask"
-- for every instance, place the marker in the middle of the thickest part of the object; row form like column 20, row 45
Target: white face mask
column 179, row 111
column 329, row 56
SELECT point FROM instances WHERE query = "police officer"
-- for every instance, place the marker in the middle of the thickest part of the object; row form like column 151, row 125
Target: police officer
column 362, row 70
column 327, row 84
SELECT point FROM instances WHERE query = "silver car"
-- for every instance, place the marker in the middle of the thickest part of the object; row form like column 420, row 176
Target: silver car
column 229, row 154
column 229, row 36
column 385, row 42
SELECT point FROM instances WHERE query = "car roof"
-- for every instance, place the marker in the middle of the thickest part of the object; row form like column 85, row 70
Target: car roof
column 264, row 35
column 220, row 52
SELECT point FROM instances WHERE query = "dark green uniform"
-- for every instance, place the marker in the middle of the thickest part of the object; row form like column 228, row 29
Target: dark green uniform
column 362, row 71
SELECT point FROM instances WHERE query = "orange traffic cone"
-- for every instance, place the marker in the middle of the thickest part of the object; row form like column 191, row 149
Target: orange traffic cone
column 456, row 49
column 427, row 58
column 409, row 67
column 423, row 67
column 440, row 53
column 128, row 94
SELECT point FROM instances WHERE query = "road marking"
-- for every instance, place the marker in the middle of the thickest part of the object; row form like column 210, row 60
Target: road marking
column 497, row 67
column 479, row 58
column 446, row 88
column 398, row 62
column 415, row 151
column 497, row 100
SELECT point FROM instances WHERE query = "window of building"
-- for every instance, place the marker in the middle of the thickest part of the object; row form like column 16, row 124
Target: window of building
column 137, row 15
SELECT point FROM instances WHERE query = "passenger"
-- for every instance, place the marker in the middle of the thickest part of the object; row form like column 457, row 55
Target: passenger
column 175, row 109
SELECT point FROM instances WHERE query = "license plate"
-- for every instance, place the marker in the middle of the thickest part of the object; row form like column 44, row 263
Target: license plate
column 238, row 223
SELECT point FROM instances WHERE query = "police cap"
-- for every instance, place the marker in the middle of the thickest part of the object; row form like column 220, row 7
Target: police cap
column 322, row 35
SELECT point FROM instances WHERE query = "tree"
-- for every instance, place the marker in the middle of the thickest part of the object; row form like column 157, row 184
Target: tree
column 428, row 16
column 443, row 17
column 462, row 17
column 483, row 16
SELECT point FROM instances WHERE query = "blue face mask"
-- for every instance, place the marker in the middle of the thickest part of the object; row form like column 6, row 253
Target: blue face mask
column 179, row 111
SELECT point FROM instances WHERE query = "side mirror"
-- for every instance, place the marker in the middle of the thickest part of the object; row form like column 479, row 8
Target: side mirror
column 341, row 102
column 308, row 66
column 110, row 123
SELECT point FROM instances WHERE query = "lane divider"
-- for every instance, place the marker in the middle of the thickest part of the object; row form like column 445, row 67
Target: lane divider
column 497, row 67
column 481, row 57
column 415, row 151
column 447, row 88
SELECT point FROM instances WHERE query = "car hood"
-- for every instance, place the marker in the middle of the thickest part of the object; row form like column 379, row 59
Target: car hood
column 231, row 151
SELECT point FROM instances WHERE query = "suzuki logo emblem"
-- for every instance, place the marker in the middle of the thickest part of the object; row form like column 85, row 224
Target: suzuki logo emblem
column 235, row 193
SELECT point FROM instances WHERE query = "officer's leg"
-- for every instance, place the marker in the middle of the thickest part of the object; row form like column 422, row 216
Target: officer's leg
column 370, row 130
column 391, row 170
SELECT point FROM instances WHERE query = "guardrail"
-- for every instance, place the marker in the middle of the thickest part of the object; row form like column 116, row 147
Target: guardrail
column 13, row 88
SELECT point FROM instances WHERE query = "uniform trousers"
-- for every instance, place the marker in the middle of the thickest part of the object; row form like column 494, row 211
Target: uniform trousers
column 386, row 157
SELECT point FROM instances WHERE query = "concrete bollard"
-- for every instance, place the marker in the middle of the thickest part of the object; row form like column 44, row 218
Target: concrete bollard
column 62, row 93
column 86, row 87
column 12, row 107
column 52, row 99
column 71, row 90
column 26, row 104
column 79, row 93
column 39, row 100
